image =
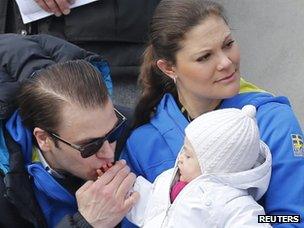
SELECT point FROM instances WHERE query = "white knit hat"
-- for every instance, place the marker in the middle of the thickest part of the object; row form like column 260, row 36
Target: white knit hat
column 225, row 140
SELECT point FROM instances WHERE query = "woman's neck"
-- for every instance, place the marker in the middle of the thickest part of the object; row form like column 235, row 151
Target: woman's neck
column 197, row 106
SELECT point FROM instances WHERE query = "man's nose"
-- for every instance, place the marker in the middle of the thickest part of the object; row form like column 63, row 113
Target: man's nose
column 106, row 151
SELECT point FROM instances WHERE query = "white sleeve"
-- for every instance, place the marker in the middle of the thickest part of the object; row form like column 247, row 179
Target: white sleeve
column 243, row 212
column 137, row 213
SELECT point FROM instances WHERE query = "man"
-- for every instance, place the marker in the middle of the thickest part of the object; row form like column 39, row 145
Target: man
column 63, row 134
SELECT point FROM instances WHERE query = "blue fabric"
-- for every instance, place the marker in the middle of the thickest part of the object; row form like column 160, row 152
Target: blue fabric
column 21, row 135
column 104, row 68
column 153, row 147
column 4, row 156
column 54, row 200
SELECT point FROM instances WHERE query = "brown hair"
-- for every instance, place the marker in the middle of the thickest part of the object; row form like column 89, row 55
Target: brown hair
column 170, row 22
column 43, row 96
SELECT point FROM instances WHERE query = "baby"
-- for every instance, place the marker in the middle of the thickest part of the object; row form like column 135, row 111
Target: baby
column 220, row 172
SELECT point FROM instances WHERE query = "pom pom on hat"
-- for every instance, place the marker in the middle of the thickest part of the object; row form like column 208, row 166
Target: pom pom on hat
column 225, row 140
column 249, row 110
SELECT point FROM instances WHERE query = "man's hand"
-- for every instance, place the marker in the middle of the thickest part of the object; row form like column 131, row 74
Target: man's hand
column 106, row 201
column 58, row 7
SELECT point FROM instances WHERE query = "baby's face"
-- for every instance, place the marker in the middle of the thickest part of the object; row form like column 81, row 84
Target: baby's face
column 188, row 164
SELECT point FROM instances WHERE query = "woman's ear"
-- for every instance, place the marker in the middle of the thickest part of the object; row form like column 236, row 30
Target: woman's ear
column 166, row 67
column 43, row 139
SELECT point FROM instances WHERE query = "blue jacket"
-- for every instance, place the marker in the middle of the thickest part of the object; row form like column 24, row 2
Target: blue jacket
column 153, row 147
column 54, row 200
column 29, row 195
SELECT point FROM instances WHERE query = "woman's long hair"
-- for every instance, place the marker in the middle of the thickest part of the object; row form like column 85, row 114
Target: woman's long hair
column 170, row 22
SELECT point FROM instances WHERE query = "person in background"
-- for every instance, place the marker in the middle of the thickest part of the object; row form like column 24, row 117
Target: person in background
column 192, row 66
column 117, row 30
column 63, row 133
column 222, row 168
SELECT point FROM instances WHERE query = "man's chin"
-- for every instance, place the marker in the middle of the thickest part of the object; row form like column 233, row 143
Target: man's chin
column 89, row 176
column 92, row 177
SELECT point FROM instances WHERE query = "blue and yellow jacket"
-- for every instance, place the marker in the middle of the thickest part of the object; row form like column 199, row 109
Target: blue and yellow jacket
column 153, row 147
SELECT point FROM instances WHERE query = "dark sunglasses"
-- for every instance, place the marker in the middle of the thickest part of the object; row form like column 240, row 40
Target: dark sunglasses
column 94, row 146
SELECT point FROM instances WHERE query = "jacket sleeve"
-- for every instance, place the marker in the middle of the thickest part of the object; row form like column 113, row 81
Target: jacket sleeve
column 281, row 131
column 129, row 155
column 21, row 56
column 147, row 152
column 73, row 221
column 242, row 212
column 9, row 217
column 131, row 160
column 137, row 213
column 60, row 50
column 136, row 148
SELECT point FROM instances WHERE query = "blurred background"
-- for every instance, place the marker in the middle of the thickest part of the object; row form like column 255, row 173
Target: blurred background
column 271, row 38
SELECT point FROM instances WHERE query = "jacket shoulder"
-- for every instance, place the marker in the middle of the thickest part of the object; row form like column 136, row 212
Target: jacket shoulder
column 142, row 132
column 147, row 153
column 280, row 112
column 21, row 56
column 279, row 120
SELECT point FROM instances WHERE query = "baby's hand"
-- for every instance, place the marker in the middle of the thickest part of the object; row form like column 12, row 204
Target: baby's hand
column 104, row 169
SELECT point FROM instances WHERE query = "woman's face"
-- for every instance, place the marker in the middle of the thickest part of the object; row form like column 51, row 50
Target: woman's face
column 207, row 65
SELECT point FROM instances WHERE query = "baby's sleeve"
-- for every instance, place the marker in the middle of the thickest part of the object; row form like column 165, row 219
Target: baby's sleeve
column 137, row 214
column 242, row 212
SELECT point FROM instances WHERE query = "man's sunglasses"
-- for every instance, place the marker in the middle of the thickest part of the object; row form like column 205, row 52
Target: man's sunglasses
column 94, row 146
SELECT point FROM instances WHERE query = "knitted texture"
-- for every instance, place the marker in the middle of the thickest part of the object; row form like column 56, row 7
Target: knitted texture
column 225, row 140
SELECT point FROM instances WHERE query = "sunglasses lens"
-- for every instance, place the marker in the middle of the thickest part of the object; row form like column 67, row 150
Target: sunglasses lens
column 114, row 136
column 92, row 148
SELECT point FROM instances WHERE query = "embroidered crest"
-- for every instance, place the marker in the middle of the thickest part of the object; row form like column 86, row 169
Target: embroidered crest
column 297, row 144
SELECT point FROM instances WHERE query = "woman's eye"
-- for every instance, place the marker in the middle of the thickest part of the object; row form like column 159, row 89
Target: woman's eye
column 229, row 44
column 187, row 156
column 204, row 58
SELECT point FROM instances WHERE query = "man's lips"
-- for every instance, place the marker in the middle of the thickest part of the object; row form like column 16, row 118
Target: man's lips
column 104, row 168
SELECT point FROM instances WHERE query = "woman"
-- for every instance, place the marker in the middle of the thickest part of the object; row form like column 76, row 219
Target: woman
column 190, row 67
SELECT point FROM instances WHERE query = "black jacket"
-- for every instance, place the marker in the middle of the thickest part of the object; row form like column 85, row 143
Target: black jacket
column 19, row 57
column 116, row 28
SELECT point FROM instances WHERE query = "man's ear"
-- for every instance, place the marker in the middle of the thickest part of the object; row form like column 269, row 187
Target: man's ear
column 42, row 138
column 166, row 67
